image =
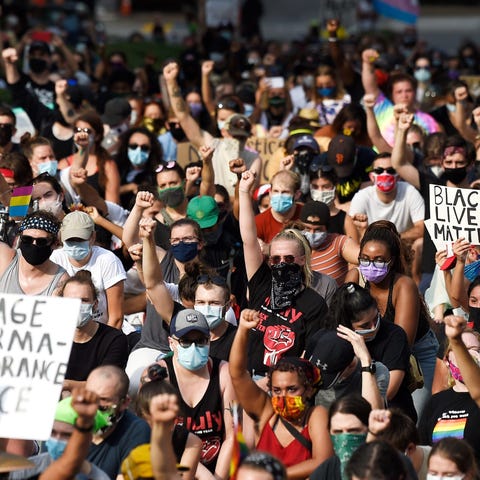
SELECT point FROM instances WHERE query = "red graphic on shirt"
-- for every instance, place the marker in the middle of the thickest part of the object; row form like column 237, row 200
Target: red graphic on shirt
column 210, row 449
column 277, row 340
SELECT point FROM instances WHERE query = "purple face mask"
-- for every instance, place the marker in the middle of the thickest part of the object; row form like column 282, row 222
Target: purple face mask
column 455, row 371
column 374, row 274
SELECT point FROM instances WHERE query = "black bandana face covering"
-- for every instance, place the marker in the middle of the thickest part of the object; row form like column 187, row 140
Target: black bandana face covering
column 286, row 284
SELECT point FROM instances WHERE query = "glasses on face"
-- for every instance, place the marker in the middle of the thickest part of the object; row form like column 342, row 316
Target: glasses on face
column 189, row 239
column 276, row 259
column 215, row 279
column 380, row 170
column 187, row 342
column 143, row 148
column 40, row 242
column 82, row 130
column 365, row 262
column 163, row 166
column 6, row 125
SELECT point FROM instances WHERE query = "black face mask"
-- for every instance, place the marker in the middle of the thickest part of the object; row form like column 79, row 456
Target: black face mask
column 474, row 317
column 35, row 255
column 286, row 284
column 6, row 132
column 276, row 102
column 37, row 65
column 177, row 132
column 455, row 175
column 212, row 238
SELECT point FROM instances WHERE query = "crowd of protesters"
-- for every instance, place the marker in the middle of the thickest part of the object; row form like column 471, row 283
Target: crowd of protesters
column 289, row 301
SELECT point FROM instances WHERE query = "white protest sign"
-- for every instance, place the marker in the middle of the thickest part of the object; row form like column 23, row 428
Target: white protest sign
column 36, row 335
column 454, row 214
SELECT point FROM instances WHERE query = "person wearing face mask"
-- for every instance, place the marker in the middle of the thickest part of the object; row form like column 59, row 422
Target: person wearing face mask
column 76, row 418
column 124, row 431
column 47, row 194
column 382, row 260
column 29, row 270
column 389, row 199
column 7, row 131
column 194, row 373
column 40, row 154
column 387, row 343
column 94, row 343
column 288, row 425
column 79, row 252
column 284, row 193
column 331, row 252
column 453, row 412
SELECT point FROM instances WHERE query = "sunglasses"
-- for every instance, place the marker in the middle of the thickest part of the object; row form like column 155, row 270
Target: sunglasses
column 40, row 242
column 83, row 130
column 6, row 125
column 215, row 279
column 186, row 342
column 276, row 259
column 229, row 105
column 380, row 170
column 143, row 148
column 163, row 166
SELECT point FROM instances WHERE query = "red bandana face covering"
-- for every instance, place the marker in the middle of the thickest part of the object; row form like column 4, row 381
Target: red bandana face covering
column 291, row 408
column 385, row 182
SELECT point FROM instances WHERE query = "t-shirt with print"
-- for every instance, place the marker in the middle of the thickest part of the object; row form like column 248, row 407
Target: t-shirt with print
column 106, row 269
column 281, row 332
column 451, row 414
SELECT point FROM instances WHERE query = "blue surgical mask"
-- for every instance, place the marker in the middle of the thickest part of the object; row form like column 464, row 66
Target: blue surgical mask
column 248, row 109
column 451, row 107
column 472, row 270
column 327, row 91
column 281, row 202
column 315, row 239
column 213, row 314
column 85, row 314
column 422, row 74
column 77, row 250
column 137, row 157
column 185, row 251
column 55, row 447
column 220, row 124
column 369, row 334
column 195, row 108
column 49, row 167
column 193, row 357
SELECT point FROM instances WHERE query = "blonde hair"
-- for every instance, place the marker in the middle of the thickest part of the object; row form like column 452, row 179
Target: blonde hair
column 296, row 236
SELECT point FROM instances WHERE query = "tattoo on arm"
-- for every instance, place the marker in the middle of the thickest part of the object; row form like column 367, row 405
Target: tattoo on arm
column 176, row 92
column 181, row 107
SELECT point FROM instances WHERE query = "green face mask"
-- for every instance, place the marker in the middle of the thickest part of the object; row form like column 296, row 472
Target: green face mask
column 172, row 196
column 344, row 444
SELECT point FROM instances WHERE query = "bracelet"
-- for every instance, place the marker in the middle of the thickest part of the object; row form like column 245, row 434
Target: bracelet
column 371, row 433
column 82, row 429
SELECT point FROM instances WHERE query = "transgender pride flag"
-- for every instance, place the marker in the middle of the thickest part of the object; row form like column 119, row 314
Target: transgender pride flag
column 406, row 11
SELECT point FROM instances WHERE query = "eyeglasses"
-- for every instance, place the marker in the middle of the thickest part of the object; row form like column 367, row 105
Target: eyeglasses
column 215, row 279
column 276, row 259
column 189, row 239
column 40, row 242
column 229, row 104
column 82, row 130
column 365, row 262
column 6, row 125
column 143, row 148
column 186, row 342
column 380, row 170
column 165, row 165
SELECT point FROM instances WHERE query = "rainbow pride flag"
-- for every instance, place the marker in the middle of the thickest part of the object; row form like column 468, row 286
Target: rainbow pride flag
column 406, row 11
column 449, row 427
column 240, row 449
column 20, row 201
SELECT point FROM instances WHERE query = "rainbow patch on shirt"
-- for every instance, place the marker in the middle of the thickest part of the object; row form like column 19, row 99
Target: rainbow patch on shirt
column 449, row 427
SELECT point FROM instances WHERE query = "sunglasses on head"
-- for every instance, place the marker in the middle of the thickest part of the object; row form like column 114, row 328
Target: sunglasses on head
column 40, row 242
column 143, row 148
column 276, row 259
column 380, row 170
column 229, row 105
column 163, row 166
column 83, row 130
column 215, row 279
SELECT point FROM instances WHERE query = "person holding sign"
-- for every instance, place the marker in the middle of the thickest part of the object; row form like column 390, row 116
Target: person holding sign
column 29, row 270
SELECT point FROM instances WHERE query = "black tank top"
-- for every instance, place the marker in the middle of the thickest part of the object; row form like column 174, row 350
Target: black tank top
column 205, row 419
column 336, row 224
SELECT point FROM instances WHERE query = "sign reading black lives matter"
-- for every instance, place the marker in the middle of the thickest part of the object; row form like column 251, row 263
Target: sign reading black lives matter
column 454, row 214
column 36, row 335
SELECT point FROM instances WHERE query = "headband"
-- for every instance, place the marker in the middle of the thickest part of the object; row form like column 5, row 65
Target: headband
column 39, row 223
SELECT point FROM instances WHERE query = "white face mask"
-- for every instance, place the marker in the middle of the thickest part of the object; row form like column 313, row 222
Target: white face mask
column 212, row 313
column 85, row 314
column 325, row 196
column 431, row 476
column 437, row 170
column 52, row 206
column 315, row 239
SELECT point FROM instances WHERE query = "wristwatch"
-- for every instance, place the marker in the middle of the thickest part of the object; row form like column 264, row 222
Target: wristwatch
column 372, row 368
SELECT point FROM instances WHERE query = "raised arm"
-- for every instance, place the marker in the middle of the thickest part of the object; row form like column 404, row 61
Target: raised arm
column 402, row 157
column 64, row 104
column 346, row 70
column 85, row 403
column 372, row 125
column 207, row 98
column 369, row 80
column 77, row 177
column 190, row 126
column 152, row 273
column 130, row 236
column 251, row 397
column 459, row 284
column 460, row 116
column 10, row 58
column 454, row 327
column 207, row 185
column 251, row 247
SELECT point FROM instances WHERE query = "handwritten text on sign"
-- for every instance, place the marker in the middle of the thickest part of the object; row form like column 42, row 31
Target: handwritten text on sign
column 36, row 335
column 454, row 213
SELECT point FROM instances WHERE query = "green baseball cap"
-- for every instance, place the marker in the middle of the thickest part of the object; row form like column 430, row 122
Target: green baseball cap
column 65, row 413
column 204, row 210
